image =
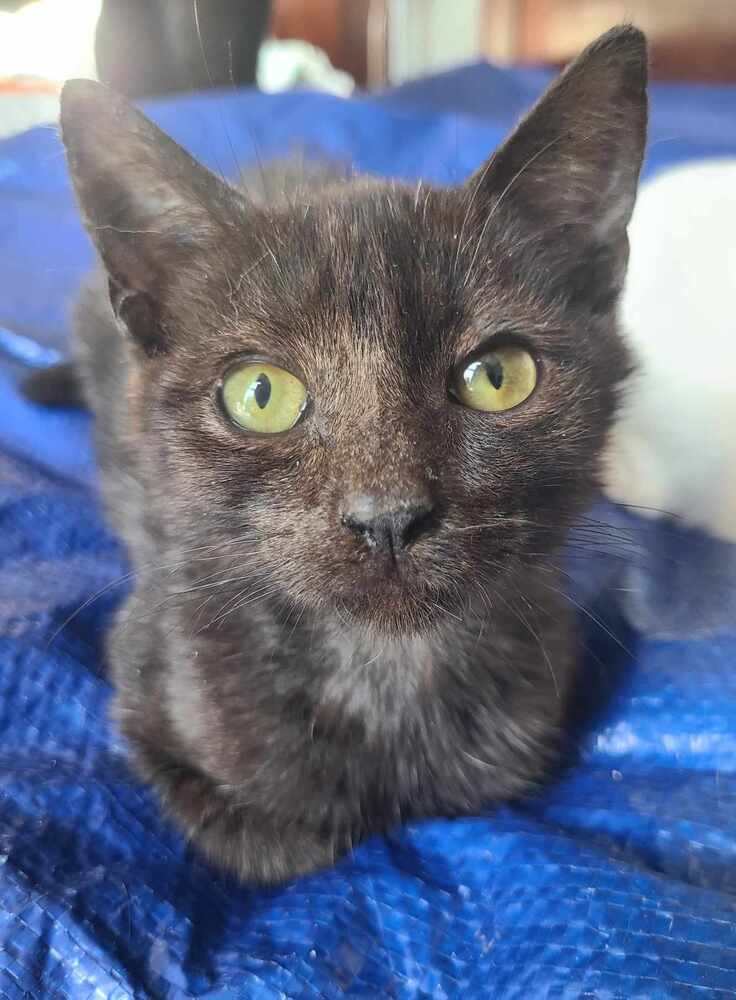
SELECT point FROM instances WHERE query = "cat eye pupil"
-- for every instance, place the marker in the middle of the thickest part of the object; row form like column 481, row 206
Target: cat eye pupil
column 494, row 372
column 262, row 390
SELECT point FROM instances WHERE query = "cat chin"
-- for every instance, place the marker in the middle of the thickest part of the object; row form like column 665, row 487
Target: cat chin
column 388, row 600
column 403, row 614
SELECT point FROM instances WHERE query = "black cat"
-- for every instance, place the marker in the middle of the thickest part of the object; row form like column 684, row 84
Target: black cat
column 343, row 433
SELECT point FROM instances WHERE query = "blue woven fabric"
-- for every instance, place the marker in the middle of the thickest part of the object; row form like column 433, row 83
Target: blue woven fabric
column 617, row 881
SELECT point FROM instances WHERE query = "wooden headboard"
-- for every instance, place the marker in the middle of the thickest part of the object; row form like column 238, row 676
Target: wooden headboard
column 690, row 39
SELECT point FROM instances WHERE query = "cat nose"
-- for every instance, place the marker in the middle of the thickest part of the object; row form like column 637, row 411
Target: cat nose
column 390, row 531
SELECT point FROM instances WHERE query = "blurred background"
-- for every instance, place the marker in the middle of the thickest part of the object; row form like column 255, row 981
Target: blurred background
column 148, row 47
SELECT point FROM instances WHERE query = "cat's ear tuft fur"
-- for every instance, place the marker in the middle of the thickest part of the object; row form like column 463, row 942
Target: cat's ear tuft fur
column 148, row 206
column 571, row 168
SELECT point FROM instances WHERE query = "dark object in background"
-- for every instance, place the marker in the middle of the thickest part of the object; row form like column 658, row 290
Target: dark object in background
column 148, row 47
column 55, row 386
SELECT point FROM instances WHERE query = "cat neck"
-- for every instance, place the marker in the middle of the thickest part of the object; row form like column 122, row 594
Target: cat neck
column 375, row 678
column 362, row 650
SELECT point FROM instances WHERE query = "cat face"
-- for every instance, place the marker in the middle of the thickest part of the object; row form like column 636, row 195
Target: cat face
column 398, row 394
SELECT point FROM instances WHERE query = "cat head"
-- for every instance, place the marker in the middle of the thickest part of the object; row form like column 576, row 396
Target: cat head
column 378, row 398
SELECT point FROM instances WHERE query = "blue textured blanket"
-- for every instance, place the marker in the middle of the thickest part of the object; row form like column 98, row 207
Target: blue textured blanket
column 618, row 881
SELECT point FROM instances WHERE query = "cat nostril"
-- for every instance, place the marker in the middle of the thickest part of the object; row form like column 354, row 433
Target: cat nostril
column 391, row 531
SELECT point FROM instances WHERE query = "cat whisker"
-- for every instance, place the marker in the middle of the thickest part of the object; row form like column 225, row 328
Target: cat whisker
column 445, row 611
column 212, row 585
column 346, row 619
column 244, row 274
column 459, row 248
column 589, row 614
column 195, row 10
column 197, row 616
column 533, row 632
column 269, row 253
column 375, row 657
column 170, row 599
column 585, row 538
column 85, row 604
column 153, row 568
column 651, row 510
column 296, row 622
column 241, row 600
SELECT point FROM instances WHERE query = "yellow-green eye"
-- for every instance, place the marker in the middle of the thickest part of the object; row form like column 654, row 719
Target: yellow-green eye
column 263, row 398
column 498, row 380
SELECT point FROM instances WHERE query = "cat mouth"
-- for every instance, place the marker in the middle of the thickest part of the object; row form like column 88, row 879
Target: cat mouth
column 399, row 595
column 389, row 572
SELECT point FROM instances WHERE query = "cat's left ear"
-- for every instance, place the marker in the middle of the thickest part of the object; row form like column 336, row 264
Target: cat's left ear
column 152, row 211
column 567, row 177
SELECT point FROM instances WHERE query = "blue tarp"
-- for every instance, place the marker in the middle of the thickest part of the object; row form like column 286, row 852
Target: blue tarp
column 617, row 881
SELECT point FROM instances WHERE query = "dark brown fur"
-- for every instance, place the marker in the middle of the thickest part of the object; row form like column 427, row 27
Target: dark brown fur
column 286, row 687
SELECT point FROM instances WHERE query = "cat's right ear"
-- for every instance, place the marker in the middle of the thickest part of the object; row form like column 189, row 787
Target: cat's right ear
column 147, row 205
